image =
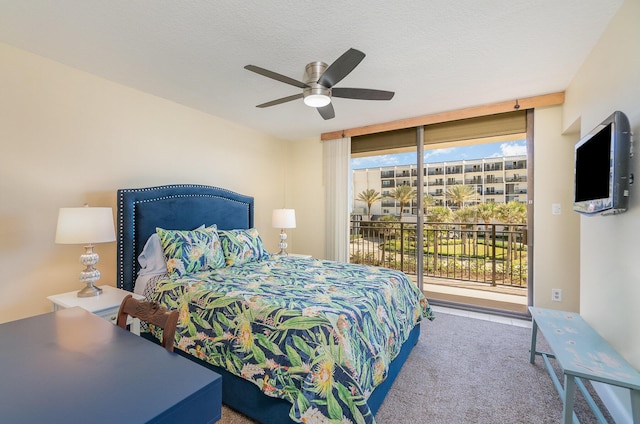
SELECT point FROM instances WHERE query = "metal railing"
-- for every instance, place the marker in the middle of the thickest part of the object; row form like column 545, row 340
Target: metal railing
column 495, row 254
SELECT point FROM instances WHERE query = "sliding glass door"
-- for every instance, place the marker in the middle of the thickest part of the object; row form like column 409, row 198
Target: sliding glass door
column 447, row 204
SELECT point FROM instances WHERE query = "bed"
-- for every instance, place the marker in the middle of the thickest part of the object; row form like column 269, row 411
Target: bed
column 295, row 339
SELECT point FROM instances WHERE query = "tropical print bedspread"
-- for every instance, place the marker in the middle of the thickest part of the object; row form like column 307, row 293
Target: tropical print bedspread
column 320, row 334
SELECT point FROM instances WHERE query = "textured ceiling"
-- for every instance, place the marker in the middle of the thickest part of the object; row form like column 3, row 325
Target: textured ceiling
column 437, row 55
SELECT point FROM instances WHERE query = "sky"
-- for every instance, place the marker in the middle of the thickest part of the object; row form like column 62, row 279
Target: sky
column 478, row 151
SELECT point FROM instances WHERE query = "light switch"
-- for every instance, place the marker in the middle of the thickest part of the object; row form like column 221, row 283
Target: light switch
column 556, row 209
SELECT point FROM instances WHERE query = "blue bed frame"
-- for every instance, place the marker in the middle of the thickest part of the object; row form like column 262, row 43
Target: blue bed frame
column 187, row 206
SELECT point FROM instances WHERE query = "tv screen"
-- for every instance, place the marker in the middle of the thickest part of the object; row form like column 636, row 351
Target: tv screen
column 593, row 165
column 601, row 172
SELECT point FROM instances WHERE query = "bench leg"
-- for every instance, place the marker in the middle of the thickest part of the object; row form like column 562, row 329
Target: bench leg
column 569, row 397
column 635, row 406
column 534, row 335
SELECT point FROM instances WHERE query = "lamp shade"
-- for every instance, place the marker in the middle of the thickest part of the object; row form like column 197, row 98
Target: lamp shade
column 85, row 225
column 283, row 218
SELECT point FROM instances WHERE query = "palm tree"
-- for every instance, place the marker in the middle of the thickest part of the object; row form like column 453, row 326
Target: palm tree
column 403, row 194
column 386, row 230
column 511, row 213
column 369, row 196
column 438, row 215
column 427, row 201
column 465, row 215
column 460, row 194
column 486, row 212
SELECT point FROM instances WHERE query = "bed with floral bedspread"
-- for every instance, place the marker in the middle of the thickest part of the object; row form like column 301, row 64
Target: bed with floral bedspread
column 319, row 334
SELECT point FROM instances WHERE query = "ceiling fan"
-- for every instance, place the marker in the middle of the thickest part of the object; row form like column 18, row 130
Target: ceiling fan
column 319, row 81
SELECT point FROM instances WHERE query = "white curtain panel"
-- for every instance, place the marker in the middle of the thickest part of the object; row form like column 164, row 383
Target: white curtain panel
column 337, row 182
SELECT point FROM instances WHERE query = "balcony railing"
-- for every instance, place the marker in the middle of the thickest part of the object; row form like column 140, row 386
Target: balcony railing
column 518, row 165
column 493, row 180
column 495, row 254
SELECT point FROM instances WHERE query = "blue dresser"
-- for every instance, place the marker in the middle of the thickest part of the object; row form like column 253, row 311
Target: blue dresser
column 71, row 366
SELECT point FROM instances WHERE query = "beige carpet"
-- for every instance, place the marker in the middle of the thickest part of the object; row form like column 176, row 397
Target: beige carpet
column 467, row 370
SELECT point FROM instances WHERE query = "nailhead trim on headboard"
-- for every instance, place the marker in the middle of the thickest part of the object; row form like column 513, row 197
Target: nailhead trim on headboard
column 167, row 192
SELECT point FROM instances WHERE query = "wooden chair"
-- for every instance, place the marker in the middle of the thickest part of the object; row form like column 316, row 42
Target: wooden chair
column 151, row 313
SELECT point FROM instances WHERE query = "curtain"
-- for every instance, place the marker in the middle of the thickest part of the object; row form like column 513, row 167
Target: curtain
column 337, row 183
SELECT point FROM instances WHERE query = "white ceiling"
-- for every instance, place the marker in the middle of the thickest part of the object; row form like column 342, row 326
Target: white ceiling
column 437, row 55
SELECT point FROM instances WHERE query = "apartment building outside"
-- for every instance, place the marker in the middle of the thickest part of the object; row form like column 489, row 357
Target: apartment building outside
column 496, row 179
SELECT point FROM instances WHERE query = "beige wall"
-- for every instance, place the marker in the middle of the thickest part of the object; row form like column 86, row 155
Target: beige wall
column 70, row 138
column 556, row 248
column 609, row 80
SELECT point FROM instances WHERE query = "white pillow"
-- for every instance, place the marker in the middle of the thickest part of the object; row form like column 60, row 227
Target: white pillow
column 151, row 262
column 141, row 283
column 151, row 259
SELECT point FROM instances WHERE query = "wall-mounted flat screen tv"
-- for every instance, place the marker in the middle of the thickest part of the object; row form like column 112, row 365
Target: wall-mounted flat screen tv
column 601, row 183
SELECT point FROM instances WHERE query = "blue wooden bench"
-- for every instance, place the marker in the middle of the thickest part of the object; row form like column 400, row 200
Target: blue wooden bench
column 581, row 353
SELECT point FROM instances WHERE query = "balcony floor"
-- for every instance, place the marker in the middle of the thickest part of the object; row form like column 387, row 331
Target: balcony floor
column 476, row 295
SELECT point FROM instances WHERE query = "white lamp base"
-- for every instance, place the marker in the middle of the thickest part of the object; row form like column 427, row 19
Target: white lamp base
column 283, row 243
column 89, row 275
column 90, row 291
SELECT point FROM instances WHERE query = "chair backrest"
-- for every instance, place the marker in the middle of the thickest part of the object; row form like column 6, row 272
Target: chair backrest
column 151, row 313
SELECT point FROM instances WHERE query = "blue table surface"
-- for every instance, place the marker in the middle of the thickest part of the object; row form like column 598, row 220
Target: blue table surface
column 581, row 351
column 71, row 366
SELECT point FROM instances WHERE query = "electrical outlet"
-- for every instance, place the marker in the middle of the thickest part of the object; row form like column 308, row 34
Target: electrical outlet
column 556, row 295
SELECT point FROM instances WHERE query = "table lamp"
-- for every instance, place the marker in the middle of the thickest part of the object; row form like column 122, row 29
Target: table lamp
column 86, row 225
column 283, row 218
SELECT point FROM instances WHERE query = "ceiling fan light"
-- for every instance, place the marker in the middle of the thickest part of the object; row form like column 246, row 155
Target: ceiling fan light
column 317, row 100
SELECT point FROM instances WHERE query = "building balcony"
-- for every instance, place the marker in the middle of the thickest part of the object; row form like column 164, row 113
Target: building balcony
column 494, row 180
column 473, row 181
column 519, row 165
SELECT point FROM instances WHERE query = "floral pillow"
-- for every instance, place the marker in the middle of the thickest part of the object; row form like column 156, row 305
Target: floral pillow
column 187, row 252
column 240, row 246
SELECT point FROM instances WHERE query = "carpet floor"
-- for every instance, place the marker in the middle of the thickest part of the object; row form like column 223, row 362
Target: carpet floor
column 467, row 370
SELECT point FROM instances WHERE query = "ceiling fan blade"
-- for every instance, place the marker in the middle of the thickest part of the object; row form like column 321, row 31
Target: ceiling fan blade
column 274, row 75
column 327, row 111
column 282, row 100
column 341, row 67
column 362, row 93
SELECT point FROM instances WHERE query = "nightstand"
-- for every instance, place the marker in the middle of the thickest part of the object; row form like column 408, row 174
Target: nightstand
column 105, row 306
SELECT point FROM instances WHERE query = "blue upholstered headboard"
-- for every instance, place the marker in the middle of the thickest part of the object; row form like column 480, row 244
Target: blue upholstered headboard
column 176, row 207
